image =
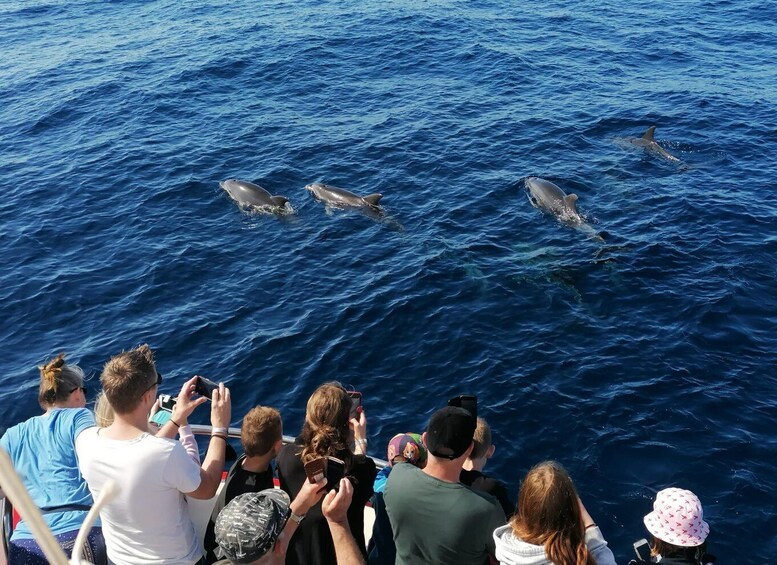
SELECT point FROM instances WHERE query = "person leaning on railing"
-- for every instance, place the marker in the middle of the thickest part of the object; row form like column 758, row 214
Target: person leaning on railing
column 43, row 452
column 148, row 521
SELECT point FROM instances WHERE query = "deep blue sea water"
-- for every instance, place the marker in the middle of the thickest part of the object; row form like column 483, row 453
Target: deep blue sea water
column 642, row 362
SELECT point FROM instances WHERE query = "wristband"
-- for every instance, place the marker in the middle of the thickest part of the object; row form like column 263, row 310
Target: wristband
column 361, row 441
column 176, row 424
column 592, row 525
column 219, row 435
column 224, row 431
column 296, row 517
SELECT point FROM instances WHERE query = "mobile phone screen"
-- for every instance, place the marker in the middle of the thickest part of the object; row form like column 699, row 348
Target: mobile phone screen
column 335, row 470
column 356, row 402
column 642, row 549
column 167, row 402
column 467, row 401
column 204, row 387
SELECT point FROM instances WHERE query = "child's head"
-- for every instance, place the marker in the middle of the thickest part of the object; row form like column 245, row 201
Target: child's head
column 677, row 524
column 483, row 447
column 103, row 411
column 262, row 432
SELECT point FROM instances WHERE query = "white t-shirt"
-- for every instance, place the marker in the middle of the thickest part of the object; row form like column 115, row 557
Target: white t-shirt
column 148, row 521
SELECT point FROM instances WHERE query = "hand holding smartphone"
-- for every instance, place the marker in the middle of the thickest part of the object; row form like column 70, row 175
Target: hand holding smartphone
column 335, row 470
column 356, row 404
column 330, row 467
column 205, row 387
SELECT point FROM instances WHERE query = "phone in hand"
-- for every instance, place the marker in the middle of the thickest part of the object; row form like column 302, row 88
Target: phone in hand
column 356, row 404
column 335, row 470
column 316, row 469
column 167, row 402
column 205, row 387
column 642, row 549
column 467, row 401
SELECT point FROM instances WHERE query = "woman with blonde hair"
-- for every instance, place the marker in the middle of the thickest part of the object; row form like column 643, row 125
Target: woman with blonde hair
column 551, row 526
column 329, row 431
column 43, row 452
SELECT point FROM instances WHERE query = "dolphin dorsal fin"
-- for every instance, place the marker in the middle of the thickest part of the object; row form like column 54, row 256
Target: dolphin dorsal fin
column 571, row 201
column 279, row 201
column 649, row 133
column 373, row 199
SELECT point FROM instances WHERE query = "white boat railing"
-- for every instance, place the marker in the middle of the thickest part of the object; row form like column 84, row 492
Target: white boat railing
column 234, row 433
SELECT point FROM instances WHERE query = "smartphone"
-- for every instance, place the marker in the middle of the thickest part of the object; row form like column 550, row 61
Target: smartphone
column 335, row 470
column 204, row 387
column 356, row 403
column 642, row 549
column 166, row 402
column 467, row 401
column 316, row 469
column 161, row 417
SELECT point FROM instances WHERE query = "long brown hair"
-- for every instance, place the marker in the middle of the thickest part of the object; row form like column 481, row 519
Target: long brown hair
column 58, row 381
column 549, row 515
column 325, row 431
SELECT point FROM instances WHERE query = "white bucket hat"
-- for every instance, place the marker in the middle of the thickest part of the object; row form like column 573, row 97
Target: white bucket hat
column 677, row 518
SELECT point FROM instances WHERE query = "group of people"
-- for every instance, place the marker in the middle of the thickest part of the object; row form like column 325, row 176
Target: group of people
column 432, row 503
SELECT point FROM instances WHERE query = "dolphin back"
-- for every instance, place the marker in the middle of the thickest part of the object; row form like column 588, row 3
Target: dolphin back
column 649, row 134
column 571, row 202
column 279, row 201
column 373, row 199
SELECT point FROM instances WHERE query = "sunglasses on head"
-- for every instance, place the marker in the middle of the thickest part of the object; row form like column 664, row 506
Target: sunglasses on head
column 156, row 383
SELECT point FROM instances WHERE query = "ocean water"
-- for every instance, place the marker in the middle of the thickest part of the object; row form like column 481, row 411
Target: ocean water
column 643, row 361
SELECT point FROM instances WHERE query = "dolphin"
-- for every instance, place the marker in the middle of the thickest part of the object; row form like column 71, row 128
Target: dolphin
column 249, row 194
column 648, row 143
column 547, row 196
column 342, row 198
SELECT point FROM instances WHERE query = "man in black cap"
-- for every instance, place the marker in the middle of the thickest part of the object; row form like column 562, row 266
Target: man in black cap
column 435, row 518
column 255, row 528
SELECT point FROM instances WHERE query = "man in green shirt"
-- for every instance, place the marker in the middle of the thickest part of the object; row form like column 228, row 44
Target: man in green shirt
column 435, row 518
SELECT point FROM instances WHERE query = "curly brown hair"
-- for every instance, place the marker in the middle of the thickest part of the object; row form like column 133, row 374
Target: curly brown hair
column 326, row 430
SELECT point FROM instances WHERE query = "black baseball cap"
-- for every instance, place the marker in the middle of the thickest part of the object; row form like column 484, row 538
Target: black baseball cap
column 450, row 432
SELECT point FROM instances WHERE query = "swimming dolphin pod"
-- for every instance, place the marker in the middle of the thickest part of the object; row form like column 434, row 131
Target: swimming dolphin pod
column 249, row 194
column 342, row 198
column 649, row 143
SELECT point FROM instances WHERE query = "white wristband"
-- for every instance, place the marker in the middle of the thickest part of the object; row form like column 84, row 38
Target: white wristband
column 361, row 441
column 224, row 431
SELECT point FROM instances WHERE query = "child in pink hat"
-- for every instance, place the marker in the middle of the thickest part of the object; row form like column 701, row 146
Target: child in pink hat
column 678, row 528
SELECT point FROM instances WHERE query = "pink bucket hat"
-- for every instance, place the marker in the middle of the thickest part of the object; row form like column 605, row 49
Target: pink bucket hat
column 677, row 518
